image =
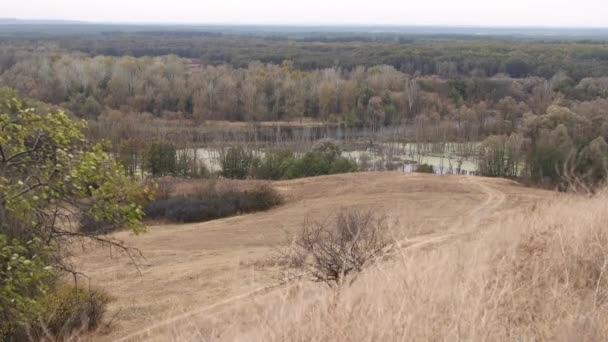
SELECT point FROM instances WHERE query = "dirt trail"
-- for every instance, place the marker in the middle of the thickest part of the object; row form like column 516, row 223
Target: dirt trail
column 495, row 197
column 198, row 269
column 466, row 223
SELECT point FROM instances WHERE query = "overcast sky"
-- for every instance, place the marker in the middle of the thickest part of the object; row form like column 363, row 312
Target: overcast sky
column 587, row 13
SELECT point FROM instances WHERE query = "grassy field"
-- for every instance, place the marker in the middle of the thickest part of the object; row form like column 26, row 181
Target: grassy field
column 216, row 279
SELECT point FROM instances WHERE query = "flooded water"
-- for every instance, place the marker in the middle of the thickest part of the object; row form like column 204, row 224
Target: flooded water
column 453, row 158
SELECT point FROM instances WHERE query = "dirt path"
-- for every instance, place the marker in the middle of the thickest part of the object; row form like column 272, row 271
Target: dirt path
column 495, row 197
column 465, row 224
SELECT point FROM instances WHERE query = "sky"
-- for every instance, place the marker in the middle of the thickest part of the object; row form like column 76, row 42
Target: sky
column 550, row 13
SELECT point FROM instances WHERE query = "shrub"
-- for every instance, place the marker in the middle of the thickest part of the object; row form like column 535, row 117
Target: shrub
column 331, row 252
column 317, row 164
column 324, row 159
column 425, row 168
column 209, row 204
column 68, row 310
column 342, row 165
column 236, row 163
column 274, row 165
column 310, row 165
column 162, row 159
column 186, row 209
column 327, row 148
column 259, row 199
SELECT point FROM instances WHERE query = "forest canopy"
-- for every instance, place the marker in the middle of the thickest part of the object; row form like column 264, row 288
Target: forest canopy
column 523, row 96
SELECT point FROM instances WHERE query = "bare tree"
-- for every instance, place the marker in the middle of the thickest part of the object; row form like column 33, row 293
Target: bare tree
column 411, row 90
column 375, row 112
column 330, row 253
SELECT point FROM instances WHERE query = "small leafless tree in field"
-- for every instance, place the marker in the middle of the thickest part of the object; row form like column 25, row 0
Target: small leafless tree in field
column 332, row 252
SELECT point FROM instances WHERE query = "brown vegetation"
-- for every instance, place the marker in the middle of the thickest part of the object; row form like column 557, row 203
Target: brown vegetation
column 539, row 276
column 66, row 312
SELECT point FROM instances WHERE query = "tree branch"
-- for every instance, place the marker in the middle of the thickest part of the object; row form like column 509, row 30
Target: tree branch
column 22, row 153
column 25, row 191
column 132, row 252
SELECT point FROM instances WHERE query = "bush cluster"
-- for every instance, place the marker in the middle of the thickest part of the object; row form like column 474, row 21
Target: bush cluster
column 425, row 168
column 209, row 204
column 274, row 166
column 317, row 164
column 324, row 159
column 71, row 309
column 236, row 162
column 61, row 313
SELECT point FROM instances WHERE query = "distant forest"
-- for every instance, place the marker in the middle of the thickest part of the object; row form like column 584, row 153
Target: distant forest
column 545, row 97
column 440, row 54
column 357, row 78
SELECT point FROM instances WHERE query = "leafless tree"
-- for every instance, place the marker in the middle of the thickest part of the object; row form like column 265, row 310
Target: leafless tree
column 333, row 252
column 411, row 90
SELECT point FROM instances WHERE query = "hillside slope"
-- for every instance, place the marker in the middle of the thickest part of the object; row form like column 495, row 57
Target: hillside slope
column 191, row 270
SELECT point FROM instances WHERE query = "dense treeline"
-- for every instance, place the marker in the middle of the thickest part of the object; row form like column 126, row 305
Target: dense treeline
column 561, row 147
column 172, row 87
column 431, row 55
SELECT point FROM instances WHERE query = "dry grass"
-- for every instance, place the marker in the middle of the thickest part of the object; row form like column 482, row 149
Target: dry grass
column 204, row 282
column 534, row 277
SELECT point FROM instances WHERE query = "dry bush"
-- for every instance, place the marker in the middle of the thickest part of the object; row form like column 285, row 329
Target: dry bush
column 66, row 312
column 330, row 253
column 539, row 276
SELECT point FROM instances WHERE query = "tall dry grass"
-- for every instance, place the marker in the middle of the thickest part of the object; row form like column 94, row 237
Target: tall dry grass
column 540, row 276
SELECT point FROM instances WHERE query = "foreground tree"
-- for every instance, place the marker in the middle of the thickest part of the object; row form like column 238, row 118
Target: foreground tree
column 50, row 176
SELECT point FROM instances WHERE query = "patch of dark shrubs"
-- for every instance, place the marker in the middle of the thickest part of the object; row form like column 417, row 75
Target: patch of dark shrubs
column 318, row 164
column 274, row 166
column 210, row 204
column 325, row 158
column 425, row 168
column 236, row 162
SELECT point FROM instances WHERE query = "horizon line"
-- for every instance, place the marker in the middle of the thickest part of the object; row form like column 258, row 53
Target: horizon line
column 298, row 24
